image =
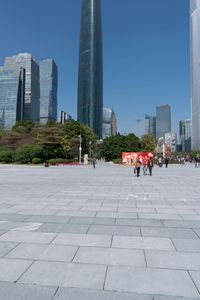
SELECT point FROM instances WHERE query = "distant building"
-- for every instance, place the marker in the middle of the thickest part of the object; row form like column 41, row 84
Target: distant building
column 64, row 117
column 113, row 123
column 12, row 93
column 32, row 83
column 150, row 125
column 195, row 74
column 171, row 141
column 48, row 91
column 185, row 135
column 90, row 74
column 107, row 120
column 163, row 120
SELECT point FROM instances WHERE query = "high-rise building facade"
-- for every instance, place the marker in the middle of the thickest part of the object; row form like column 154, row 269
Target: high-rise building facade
column 32, row 83
column 113, row 123
column 48, row 91
column 107, row 120
column 195, row 73
column 163, row 120
column 171, row 141
column 90, row 73
column 150, row 125
column 12, row 93
column 185, row 135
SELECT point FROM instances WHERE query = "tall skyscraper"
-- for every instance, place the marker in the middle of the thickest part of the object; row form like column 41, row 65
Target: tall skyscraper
column 32, row 83
column 185, row 135
column 48, row 91
column 12, row 92
column 163, row 120
column 195, row 67
column 107, row 120
column 150, row 125
column 113, row 123
column 90, row 74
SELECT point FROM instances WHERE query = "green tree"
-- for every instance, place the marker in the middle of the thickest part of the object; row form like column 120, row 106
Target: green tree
column 73, row 130
column 6, row 156
column 148, row 143
column 26, row 153
column 113, row 146
column 23, row 126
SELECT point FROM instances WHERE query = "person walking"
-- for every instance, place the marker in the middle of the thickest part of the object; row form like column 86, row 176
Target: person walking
column 166, row 161
column 94, row 163
column 138, row 166
column 150, row 166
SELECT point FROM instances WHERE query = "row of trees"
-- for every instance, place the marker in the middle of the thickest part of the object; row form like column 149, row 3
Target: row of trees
column 29, row 143
column 113, row 146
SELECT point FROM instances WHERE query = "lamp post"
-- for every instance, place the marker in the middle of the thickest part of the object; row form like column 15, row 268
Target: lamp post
column 80, row 149
column 90, row 142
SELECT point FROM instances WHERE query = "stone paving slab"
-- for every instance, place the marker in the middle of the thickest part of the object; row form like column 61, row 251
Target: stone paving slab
column 87, row 294
column 6, row 247
column 182, row 224
column 58, row 227
column 139, row 222
column 173, row 298
column 48, row 219
column 14, row 291
column 142, row 243
column 169, row 232
column 150, row 281
column 114, row 230
column 173, row 260
column 108, row 256
column 43, row 252
column 90, row 221
column 12, row 269
column 62, row 274
column 187, row 245
column 27, row 237
column 83, row 240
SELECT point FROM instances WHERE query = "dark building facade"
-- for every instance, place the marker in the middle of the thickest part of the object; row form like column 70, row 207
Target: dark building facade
column 163, row 120
column 90, row 74
column 48, row 91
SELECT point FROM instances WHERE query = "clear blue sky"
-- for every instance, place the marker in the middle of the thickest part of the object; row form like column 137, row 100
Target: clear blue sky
column 146, row 52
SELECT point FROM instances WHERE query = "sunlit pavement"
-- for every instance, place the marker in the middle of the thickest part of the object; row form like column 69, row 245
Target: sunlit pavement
column 78, row 233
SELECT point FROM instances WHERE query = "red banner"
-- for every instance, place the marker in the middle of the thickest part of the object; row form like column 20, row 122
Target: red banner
column 130, row 158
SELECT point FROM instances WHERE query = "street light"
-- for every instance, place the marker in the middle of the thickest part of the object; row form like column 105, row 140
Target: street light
column 90, row 142
column 80, row 149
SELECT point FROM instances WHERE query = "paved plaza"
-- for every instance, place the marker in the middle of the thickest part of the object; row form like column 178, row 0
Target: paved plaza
column 78, row 233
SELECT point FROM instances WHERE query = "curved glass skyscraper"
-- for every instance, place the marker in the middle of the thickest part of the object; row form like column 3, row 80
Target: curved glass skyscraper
column 195, row 71
column 90, row 75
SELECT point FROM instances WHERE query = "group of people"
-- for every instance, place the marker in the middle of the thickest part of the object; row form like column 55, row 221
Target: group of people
column 146, row 165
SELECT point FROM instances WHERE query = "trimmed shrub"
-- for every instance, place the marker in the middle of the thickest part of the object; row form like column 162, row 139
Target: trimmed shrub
column 6, row 156
column 26, row 153
column 36, row 161
column 117, row 161
column 55, row 161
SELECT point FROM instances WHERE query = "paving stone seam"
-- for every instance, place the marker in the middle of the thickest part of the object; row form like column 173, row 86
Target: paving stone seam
column 24, row 271
column 54, row 295
column 194, row 282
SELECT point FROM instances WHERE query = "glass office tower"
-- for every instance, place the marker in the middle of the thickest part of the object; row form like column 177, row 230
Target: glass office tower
column 185, row 135
column 32, row 84
column 195, row 71
column 12, row 91
column 107, row 122
column 48, row 91
column 163, row 120
column 150, row 125
column 90, row 74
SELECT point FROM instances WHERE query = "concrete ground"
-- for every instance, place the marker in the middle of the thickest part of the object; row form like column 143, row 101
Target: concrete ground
column 78, row 233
